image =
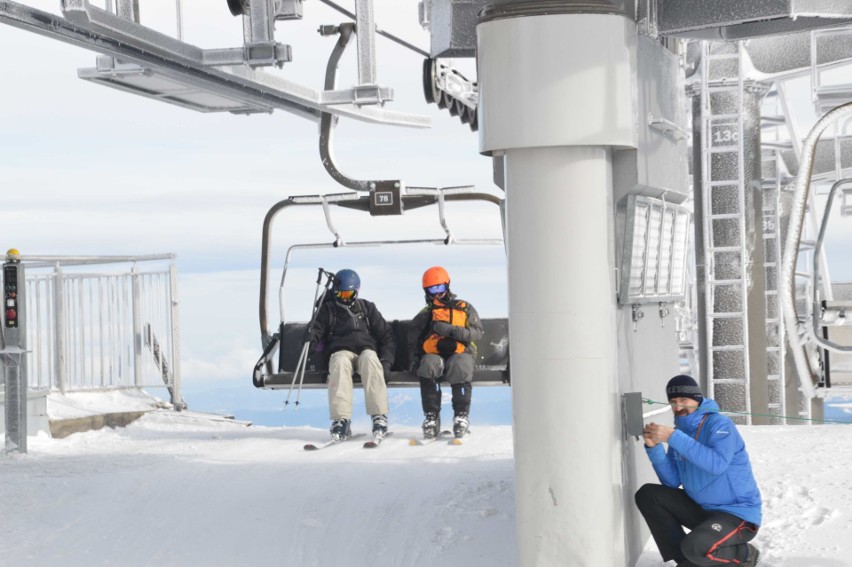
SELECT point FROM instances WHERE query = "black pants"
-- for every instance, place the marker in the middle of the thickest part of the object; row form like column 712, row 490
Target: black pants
column 717, row 538
column 430, row 396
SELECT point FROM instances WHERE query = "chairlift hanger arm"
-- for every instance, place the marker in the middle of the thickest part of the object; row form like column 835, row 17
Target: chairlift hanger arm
column 328, row 121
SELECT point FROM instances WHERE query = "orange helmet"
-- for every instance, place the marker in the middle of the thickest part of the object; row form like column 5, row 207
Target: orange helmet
column 434, row 276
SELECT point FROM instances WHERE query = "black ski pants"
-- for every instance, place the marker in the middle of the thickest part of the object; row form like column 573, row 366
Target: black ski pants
column 716, row 538
column 430, row 396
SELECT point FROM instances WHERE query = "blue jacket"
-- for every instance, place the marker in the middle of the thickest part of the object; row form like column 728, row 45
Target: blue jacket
column 714, row 469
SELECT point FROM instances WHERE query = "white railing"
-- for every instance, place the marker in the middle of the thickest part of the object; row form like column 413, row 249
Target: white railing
column 101, row 331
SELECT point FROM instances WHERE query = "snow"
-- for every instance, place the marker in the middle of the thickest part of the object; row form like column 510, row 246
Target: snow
column 84, row 404
column 182, row 489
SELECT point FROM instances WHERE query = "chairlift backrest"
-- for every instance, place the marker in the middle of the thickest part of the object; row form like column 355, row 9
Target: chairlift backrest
column 492, row 359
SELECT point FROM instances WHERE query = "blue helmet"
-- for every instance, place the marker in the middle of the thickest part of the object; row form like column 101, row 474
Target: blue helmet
column 346, row 285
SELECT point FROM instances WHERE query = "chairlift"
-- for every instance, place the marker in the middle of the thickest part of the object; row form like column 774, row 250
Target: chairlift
column 296, row 366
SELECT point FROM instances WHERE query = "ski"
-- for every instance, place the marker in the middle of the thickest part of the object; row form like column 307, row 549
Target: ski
column 420, row 442
column 312, row 447
column 377, row 440
column 458, row 440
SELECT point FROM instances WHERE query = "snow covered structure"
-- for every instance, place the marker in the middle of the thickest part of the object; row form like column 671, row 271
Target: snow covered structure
column 583, row 107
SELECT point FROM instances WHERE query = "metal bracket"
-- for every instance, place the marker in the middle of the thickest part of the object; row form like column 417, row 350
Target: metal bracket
column 636, row 314
column 359, row 95
column 668, row 127
column 266, row 54
column 664, row 312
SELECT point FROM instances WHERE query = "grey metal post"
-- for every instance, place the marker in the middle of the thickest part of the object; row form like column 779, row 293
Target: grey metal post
column 177, row 396
column 365, row 30
column 137, row 325
column 704, row 359
column 129, row 9
column 259, row 22
column 13, row 353
column 59, row 328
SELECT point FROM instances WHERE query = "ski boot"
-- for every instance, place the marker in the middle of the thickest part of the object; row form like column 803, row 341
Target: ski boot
column 460, row 425
column 340, row 429
column 380, row 425
column 431, row 425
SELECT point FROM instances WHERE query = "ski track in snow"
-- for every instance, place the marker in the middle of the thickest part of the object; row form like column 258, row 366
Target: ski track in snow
column 175, row 490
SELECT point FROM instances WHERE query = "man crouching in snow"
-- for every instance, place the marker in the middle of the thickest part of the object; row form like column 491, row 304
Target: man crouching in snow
column 720, row 502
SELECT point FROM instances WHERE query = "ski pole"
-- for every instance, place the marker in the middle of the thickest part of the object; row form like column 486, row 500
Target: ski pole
column 299, row 373
column 292, row 383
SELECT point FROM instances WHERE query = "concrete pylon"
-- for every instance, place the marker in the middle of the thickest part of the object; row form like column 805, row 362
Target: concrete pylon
column 553, row 106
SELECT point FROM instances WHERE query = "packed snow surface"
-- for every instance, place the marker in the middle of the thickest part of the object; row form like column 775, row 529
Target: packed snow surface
column 180, row 489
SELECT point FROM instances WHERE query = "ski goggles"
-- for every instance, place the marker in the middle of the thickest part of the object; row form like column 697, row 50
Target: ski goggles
column 344, row 294
column 436, row 289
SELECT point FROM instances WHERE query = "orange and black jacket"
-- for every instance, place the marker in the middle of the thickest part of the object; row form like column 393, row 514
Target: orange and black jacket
column 447, row 327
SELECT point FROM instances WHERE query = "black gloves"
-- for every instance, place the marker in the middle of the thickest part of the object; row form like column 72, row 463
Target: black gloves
column 412, row 367
column 452, row 331
column 386, row 367
column 442, row 328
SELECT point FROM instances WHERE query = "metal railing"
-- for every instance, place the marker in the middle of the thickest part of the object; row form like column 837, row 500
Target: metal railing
column 103, row 331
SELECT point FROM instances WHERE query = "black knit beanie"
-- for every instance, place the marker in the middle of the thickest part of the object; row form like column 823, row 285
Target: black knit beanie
column 683, row 386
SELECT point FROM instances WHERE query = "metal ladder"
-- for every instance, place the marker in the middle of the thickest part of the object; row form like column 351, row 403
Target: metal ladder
column 773, row 173
column 725, row 234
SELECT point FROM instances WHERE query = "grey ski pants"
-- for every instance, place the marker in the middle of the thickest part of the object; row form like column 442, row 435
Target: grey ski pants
column 341, row 366
column 459, row 368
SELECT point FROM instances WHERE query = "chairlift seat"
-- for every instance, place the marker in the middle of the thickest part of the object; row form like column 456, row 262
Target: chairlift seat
column 491, row 369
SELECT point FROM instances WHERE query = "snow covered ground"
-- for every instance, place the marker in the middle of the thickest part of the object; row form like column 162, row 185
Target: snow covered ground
column 179, row 489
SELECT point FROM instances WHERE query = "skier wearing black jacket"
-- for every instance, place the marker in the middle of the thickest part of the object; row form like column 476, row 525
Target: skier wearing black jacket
column 358, row 339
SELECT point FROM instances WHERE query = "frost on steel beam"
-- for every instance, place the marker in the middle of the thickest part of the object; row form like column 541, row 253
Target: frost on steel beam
column 735, row 19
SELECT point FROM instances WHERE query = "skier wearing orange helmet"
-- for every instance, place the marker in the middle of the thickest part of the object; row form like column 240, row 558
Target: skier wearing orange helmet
column 442, row 346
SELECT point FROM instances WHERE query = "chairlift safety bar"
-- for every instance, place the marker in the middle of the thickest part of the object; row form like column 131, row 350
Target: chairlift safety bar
column 414, row 198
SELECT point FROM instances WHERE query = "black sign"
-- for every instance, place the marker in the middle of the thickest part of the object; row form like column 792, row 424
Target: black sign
column 385, row 198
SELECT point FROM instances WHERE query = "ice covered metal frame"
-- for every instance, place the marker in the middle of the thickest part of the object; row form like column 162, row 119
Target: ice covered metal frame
column 141, row 60
column 83, row 325
column 653, row 266
column 827, row 311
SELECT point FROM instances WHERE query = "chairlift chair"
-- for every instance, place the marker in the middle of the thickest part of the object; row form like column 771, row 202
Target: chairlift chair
column 296, row 366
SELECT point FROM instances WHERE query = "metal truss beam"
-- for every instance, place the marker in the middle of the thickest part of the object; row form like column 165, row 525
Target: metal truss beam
column 100, row 31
